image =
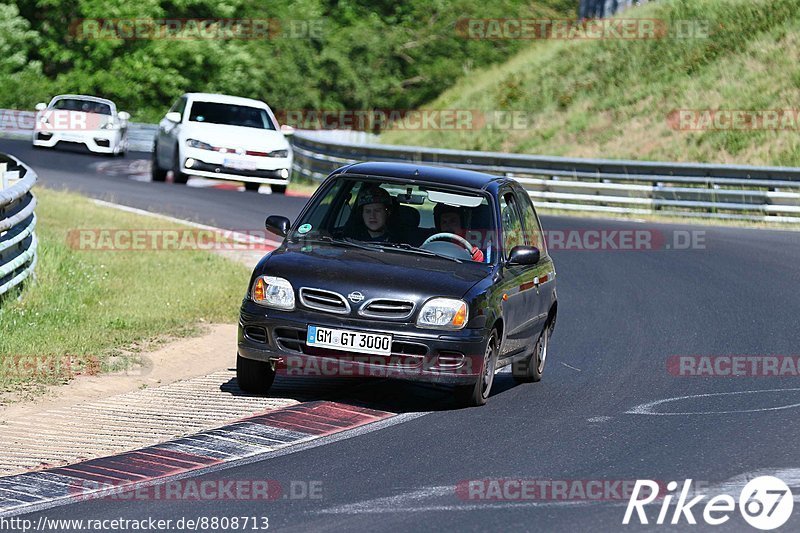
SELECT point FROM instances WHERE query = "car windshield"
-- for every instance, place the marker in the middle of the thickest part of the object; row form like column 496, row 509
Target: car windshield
column 77, row 104
column 231, row 115
column 403, row 218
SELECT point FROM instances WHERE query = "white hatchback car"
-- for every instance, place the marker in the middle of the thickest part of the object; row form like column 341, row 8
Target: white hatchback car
column 223, row 137
column 87, row 120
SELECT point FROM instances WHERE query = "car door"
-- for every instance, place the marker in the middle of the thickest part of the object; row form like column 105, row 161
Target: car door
column 539, row 297
column 167, row 136
column 517, row 280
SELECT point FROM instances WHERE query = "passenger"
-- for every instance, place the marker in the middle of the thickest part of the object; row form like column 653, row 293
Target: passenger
column 376, row 206
column 450, row 219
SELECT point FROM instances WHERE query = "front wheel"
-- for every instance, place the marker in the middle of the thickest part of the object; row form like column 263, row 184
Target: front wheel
column 177, row 175
column 477, row 394
column 157, row 173
column 532, row 368
column 250, row 186
column 254, row 376
column 278, row 189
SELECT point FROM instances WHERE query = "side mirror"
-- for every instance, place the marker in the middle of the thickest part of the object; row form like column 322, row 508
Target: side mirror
column 173, row 116
column 287, row 130
column 524, row 255
column 41, row 106
column 278, row 225
column 124, row 116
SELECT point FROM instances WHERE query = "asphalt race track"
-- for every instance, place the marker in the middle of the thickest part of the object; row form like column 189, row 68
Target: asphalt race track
column 622, row 314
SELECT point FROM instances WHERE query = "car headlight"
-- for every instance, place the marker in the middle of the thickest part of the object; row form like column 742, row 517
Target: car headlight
column 110, row 126
column 194, row 143
column 443, row 313
column 275, row 292
column 279, row 153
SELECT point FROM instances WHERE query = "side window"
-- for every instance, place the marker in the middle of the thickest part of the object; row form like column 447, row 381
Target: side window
column 180, row 105
column 533, row 231
column 511, row 223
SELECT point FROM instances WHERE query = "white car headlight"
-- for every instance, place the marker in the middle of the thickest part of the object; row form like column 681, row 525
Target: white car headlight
column 443, row 313
column 274, row 292
column 110, row 125
column 194, row 143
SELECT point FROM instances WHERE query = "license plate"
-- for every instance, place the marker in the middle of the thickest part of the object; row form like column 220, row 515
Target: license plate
column 351, row 341
column 239, row 164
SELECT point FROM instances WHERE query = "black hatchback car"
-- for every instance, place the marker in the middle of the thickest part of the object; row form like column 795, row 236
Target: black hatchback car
column 401, row 270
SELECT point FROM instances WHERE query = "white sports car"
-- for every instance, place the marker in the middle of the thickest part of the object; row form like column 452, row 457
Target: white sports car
column 224, row 137
column 88, row 120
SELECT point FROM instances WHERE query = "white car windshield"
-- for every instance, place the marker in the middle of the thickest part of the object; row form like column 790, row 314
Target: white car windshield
column 230, row 115
column 86, row 106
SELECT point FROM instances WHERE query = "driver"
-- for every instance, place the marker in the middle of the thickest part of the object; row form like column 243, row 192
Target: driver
column 450, row 219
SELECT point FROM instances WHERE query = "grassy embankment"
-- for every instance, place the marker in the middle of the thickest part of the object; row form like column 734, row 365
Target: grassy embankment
column 91, row 311
column 613, row 98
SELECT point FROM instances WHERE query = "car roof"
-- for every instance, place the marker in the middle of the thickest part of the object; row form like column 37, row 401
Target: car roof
column 83, row 97
column 427, row 173
column 224, row 99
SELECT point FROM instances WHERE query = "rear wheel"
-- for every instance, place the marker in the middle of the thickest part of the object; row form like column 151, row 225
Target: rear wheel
column 278, row 189
column 250, row 186
column 177, row 175
column 157, row 173
column 254, row 376
column 532, row 368
column 477, row 394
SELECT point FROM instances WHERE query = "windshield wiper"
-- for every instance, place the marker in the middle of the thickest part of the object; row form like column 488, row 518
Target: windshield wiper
column 346, row 242
column 415, row 249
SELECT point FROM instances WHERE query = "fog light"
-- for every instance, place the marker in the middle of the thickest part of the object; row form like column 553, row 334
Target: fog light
column 189, row 163
column 284, row 173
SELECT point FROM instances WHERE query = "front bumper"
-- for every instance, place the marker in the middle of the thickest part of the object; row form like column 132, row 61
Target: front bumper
column 100, row 141
column 210, row 164
column 448, row 357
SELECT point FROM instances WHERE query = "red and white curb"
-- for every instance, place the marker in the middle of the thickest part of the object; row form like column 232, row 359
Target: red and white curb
column 247, row 438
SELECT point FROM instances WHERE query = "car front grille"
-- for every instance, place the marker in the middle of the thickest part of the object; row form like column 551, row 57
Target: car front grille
column 386, row 308
column 322, row 300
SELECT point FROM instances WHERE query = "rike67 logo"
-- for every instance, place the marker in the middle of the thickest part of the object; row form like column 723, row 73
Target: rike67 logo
column 765, row 503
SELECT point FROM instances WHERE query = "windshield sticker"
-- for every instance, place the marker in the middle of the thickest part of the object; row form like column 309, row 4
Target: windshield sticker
column 305, row 228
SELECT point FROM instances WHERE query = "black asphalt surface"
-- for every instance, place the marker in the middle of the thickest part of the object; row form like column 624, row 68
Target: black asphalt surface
column 621, row 315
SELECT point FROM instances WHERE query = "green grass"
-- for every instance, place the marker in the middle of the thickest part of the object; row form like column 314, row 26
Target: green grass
column 91, row 310
column 612, row 98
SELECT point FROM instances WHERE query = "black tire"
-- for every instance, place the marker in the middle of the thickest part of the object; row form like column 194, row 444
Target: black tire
column 177, row 175
column 250, row 186
column 157, row 173
column 278, row 189
column 476, row 395
column 531, row 369
column 254, row 376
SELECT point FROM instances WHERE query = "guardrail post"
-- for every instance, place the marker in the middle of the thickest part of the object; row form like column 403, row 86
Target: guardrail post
column 3, row 177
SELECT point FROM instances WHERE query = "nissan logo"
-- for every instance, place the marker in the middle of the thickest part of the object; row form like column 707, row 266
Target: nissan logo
column 355, row 297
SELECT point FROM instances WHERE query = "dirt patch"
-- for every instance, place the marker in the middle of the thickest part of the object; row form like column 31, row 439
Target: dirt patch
column 182, row 359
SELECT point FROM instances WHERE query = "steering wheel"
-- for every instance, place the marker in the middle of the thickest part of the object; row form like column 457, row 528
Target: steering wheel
column 452, row 237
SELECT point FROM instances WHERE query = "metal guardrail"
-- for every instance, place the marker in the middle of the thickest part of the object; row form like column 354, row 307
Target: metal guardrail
column 599, row 185
column 18, row 244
